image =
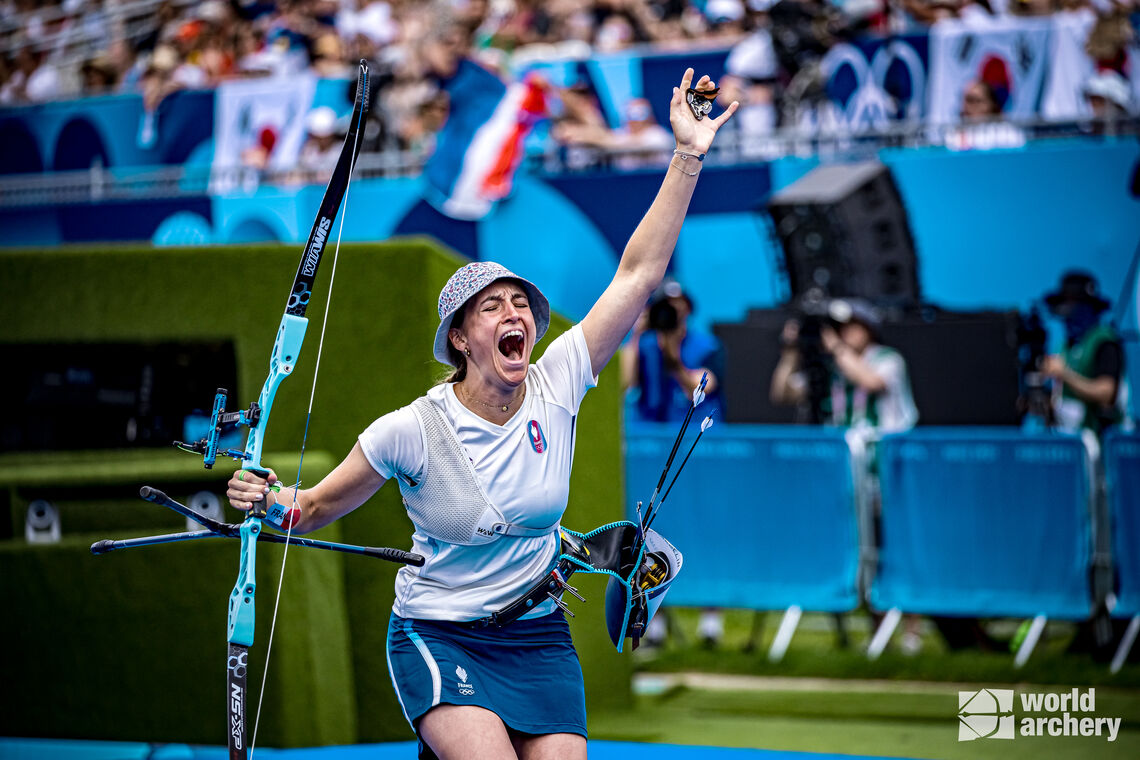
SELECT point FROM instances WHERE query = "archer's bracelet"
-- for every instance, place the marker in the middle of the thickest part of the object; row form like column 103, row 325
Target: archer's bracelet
column 685, row 157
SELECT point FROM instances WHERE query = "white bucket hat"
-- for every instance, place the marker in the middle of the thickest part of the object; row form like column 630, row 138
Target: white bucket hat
column 468, row 281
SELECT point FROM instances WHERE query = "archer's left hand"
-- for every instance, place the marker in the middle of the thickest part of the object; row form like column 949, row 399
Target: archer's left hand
column 246, row 488
column 695, row 136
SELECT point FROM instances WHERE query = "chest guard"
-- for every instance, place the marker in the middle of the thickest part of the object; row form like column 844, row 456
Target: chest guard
column 448, row 503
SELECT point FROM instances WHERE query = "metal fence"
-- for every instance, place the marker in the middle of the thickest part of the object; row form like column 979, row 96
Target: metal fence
column 103, row 183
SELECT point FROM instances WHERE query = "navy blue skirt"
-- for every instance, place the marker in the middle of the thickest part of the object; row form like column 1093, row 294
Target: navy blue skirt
column 526, row 673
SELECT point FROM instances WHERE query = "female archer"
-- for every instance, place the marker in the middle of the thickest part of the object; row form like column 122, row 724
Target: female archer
column 483, row 463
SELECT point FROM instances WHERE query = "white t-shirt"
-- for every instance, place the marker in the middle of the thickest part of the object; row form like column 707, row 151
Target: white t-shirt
column 894, row 407
column 523, row 467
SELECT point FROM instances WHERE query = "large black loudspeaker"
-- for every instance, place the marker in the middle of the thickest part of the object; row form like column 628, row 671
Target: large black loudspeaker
column 963, row 366
column 844, row 231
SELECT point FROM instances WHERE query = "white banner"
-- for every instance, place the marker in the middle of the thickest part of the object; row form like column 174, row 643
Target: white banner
column 1011, row 55
column 260, row 123
column 1070, row 66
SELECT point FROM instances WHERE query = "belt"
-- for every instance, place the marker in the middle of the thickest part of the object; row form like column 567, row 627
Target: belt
column 549, row 586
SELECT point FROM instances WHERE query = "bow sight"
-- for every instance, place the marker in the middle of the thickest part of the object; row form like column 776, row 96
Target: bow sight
column 219, row 419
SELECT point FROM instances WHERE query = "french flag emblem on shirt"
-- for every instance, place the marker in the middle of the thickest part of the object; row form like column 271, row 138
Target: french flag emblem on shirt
column 537, row 440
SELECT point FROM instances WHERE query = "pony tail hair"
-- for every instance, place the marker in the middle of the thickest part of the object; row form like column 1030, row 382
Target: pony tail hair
column 460, row 361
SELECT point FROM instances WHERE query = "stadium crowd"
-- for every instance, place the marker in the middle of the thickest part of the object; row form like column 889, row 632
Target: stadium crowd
column 72, row 48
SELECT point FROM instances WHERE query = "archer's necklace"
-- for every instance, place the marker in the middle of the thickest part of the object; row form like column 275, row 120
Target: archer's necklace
column 501, row 407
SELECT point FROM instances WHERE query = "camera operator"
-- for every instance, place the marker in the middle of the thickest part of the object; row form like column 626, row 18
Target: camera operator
column 832, row 366
column 1087, row 374
column 664, row 359
column 866, row 383
column 661, row 366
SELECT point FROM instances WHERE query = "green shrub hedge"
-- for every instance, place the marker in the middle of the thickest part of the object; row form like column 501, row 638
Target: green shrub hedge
column 131, row 646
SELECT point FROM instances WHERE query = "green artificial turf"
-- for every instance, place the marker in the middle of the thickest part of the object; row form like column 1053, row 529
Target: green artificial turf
column 893, row 722
column 821, row 698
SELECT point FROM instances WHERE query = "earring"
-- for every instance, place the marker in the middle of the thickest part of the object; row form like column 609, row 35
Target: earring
column 467, row 350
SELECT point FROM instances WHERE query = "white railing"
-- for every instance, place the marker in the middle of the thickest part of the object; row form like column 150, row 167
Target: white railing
column 137, row 183
column 732, row 148
column 99, row 183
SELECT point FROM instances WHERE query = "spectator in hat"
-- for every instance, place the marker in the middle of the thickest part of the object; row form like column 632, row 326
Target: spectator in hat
column 99, row 75
column 1108, row 96
column 641, row 139
column 330, row 61
column 321, row 149
column 751, row 77
column 1087, row 373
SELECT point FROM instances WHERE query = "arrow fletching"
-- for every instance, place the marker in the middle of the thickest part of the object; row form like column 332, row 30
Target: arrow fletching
column 699, row 391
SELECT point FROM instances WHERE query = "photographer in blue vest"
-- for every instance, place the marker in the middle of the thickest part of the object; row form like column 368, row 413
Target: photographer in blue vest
column 666, row 357
column 1087, row 373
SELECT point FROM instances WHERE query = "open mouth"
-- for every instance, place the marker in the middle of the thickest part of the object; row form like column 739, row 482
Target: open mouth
column 511, row 344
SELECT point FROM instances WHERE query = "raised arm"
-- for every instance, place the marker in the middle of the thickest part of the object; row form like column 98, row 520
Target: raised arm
column 647, row 253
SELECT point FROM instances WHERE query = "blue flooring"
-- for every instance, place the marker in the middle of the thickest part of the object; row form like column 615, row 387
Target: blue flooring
column 57, row 749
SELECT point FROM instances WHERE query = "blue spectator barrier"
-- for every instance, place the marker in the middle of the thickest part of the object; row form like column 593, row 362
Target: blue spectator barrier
column 764, row 515
column 1122, row 471
column 984, row 522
